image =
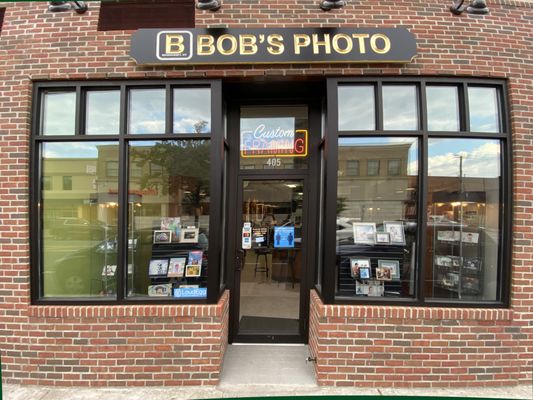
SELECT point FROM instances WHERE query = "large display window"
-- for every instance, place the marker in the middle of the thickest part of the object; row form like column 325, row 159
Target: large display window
column 122, row 189
column 420, row 168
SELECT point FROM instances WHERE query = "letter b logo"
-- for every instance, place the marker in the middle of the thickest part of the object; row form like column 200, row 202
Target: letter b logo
column 174, row 45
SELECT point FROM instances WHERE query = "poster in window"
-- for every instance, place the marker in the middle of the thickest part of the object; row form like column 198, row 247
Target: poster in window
column 284, row 236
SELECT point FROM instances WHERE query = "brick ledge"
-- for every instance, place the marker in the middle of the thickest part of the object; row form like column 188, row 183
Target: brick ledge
column 112, row 311
column 408, row 312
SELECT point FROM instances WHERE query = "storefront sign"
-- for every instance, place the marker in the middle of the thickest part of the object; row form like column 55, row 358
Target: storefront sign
column 283, row 45
column 278, row 142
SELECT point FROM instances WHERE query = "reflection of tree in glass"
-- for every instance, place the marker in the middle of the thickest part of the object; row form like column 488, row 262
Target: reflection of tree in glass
column 200, row 126
column 184, row 171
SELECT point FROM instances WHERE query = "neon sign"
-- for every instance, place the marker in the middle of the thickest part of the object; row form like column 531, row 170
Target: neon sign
column 273, row 142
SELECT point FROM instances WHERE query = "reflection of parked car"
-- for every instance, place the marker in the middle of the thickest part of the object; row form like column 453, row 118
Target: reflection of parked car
column 76, row 228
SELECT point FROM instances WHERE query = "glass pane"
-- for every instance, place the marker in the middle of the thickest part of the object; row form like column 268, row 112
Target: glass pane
column 58, row 113
column 376, row 219
column 484, row 110
column 192, row 110
column 463, row 219
column 274, row 137
column 443, row 108
column 270, row 278
column 146, row 111
column 168, row 218
column 103, row 112
column 356, row 108
column 400, row 110
column 79, row 214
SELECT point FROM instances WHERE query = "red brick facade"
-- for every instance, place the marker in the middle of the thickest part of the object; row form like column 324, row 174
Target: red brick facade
column 175, row 345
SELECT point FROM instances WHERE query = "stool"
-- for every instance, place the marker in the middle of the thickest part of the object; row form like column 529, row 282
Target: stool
column 259, row 268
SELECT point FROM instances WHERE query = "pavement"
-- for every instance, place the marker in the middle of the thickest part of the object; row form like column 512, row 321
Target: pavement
column 17, row 392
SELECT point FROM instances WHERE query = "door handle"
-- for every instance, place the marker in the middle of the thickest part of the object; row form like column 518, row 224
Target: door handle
column 239, row 259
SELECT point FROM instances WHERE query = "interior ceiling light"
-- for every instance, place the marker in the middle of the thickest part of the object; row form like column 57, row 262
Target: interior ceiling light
column 328, row 5
column 211, row 5
column 58, row 6
column 475, row 7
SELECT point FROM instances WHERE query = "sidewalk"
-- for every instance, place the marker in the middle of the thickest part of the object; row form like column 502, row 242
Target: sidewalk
column 17, row 392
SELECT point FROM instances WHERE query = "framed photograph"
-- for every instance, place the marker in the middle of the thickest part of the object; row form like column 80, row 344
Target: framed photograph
column 473, row 264
column 393, row 265
column 162, row 237
column 470, row 283
column 382, row 238
column 443, row 261
column 109, row 270
column 176, row 267
column 189, row 235
column 163, row 290
column 453, row 279
column 470, row 237
column 158, row 267
column 364, row 232
column 365, row 273
column 395, row 230
column 384, row 273
column 193, row 270
column 356, row 264
column 456, row 261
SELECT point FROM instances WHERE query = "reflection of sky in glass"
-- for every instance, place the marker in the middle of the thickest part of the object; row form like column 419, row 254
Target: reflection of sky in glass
column 442, row 108
column 356, row 108
column 192, row 106
column 251, row 125
column 400, row 111
column 59, row 113
column 480, row 157
column 483, row 105
column 412, row 157
column 103, row 112
column 147, row 111
column 68, row 150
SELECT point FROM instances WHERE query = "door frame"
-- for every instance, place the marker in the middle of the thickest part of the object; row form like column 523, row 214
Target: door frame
column 234, row 177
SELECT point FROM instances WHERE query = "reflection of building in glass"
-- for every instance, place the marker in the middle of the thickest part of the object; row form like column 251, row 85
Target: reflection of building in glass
column 374, row 182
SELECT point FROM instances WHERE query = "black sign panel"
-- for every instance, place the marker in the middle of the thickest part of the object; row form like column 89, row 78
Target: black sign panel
column 272, row 46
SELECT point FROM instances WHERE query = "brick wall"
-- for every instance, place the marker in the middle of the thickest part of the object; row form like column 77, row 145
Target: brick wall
column 38, row 45
column 116, row 345
column 374, row 346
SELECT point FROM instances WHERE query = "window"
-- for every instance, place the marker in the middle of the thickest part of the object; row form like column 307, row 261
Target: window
column 165, row 203
column 394, row 167
column 372, row 167
column 454, row 251
column 47, row 183
column 352, row 167
column 67, row 183
column 357, row 108
column 103, row 112
column 375, row 219
column 112, row 169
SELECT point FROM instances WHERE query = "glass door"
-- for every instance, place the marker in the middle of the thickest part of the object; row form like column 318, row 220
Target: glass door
column 273, row 263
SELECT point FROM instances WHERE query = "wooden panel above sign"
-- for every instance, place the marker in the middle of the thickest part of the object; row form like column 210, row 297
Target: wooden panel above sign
column 272, row 46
